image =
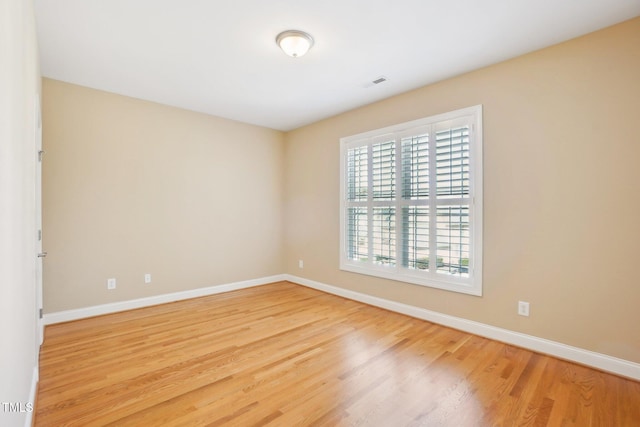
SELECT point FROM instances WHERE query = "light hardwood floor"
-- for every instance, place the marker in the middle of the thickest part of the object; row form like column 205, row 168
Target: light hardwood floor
column 286, row 355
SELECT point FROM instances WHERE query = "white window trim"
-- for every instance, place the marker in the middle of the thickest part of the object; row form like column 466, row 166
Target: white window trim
column 471, row 285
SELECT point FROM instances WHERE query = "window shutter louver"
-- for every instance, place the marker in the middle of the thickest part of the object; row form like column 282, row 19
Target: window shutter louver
column 357, row 166
column 384, row 170
column 452, row 159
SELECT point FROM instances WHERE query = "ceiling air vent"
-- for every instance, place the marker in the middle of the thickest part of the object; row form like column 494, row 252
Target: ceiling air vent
column 375, row 82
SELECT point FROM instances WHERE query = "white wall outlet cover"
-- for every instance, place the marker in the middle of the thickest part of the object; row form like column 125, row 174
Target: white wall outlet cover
column 523, row 308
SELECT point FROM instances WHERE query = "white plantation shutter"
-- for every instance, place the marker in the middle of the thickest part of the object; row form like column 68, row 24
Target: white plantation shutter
column 383, row 166
column 415, row 167
column 453, row 198
column 416, row 241
column 452, row 162
column 357, row 234
column 411, row 203
column 357, row 174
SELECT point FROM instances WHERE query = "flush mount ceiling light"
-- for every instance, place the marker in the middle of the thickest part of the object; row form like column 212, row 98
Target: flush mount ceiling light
column 294, row 43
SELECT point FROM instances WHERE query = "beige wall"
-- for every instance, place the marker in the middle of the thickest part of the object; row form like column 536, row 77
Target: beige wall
column 132, row 187
column 19, row 89
column 561, row 192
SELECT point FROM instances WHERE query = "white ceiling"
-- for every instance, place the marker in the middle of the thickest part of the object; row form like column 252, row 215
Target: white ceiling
column 219, row 56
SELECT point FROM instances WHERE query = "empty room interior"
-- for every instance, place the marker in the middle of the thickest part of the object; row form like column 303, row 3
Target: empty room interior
column 320, row 213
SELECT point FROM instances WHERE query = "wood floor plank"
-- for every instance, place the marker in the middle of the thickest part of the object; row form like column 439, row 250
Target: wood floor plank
column 286, row 355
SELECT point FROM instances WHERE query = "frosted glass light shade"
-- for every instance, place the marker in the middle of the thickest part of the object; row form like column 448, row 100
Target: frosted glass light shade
column 294, row 43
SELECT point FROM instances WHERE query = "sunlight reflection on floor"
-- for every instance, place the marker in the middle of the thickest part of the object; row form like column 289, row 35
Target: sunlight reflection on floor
column 384, row 381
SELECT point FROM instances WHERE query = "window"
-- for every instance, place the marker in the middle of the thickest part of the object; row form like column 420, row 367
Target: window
column 411, row 202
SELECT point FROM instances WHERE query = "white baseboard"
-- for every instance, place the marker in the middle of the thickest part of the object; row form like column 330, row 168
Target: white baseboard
column 599, row 361
column 97, row 310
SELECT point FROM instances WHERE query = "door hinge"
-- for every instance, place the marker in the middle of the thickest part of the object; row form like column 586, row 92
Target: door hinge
column 41, row 155
column 40, row 313
column 39, row 235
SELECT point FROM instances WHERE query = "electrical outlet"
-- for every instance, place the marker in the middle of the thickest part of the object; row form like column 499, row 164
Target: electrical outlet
column 147, row 278
column 300, row 263
column 523, row 308
column 111, row 284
